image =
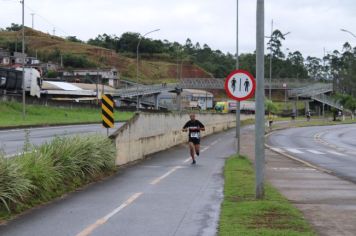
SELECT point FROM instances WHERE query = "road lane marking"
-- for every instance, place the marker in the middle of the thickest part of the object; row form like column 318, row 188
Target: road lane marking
column 215, row 142
column 293, row 150
column 336, row 153
column 159, row 179
column 203, row 150
column 294, row 169
column 88, row 230
column 277, row 149
column 315, row 152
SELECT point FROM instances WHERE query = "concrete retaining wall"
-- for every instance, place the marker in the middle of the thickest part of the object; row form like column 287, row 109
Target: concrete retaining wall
column 148, row 133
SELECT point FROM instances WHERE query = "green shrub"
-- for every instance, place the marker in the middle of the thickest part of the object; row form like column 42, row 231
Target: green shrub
column 40, row 171
column 14, row 186
column 53, row 169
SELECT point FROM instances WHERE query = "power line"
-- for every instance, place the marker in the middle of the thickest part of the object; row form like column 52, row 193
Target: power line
column 39, row 15
column 48, row 21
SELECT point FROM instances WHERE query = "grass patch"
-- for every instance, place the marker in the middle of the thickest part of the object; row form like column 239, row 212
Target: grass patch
column 51, row 170
column 11, row 115
column 242, row 214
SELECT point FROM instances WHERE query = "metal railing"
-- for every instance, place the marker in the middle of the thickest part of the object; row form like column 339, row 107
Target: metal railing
column 311, row 90
column 325, row 99
column 145, row 90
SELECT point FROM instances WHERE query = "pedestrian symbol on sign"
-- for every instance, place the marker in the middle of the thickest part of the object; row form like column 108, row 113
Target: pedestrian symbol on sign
column 246, row 84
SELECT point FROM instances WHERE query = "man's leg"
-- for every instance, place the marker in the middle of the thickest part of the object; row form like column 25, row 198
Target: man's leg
column 191, row 147
column 197, row 149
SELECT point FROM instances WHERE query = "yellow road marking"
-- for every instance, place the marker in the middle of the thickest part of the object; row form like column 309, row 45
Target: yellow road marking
column 159, row 179
column 88, row 230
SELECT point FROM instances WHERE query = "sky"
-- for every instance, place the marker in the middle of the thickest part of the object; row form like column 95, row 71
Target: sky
column 314, row 25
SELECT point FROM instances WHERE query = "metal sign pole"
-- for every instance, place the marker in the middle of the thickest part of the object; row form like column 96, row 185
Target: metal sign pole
column 260, row 96
column 238, row 120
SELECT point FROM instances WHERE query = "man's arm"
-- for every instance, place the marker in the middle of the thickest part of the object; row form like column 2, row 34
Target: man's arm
column 185, row 127
column 201, row 126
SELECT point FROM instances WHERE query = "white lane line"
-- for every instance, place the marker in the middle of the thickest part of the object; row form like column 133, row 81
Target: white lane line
column 277, row 149
column 187, row 160
column 315, row 152
column 336, row 153
column 289, row 169
column 159, row 179
column 293, row 150
column 88, row 230
column 215, row 142
column 204, row 149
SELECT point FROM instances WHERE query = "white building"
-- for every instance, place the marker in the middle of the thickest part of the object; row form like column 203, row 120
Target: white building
column 109, row 75
column 191, row 99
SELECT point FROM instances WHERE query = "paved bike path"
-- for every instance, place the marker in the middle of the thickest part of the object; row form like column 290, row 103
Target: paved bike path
column 162, row 195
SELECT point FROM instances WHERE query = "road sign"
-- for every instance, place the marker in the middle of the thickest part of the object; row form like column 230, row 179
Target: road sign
column 240, row 85
column 107, row 111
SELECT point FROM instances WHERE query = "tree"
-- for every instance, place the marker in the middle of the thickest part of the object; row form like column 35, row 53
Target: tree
column 275, row 44
column 74, row 39
column 14, row 27
column 314, row 68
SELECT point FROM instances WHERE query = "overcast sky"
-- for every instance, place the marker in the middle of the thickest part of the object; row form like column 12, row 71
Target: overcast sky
column 314, row 24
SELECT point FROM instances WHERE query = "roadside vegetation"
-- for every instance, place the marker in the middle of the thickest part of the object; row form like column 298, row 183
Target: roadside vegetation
column 51, row 170
column 11, row 115
column 242, row 214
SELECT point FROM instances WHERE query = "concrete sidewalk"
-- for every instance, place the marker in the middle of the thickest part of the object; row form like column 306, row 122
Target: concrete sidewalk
column 327, row 202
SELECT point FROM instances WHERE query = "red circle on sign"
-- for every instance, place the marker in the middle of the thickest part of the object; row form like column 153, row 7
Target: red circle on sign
column 249, row 75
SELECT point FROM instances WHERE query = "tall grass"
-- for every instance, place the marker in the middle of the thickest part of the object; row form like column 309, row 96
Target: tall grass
column 52, row 169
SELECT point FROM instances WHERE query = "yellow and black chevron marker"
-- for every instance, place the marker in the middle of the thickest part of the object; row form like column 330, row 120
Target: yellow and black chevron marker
column 107, row 110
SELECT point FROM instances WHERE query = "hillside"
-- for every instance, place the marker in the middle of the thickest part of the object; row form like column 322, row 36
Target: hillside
column 50, row 48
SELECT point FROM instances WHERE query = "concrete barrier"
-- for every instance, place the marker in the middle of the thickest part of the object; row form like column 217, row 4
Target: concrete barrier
column 147, row 133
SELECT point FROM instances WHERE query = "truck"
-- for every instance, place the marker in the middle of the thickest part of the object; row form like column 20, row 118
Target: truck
column 11, row 80
column 230, row 106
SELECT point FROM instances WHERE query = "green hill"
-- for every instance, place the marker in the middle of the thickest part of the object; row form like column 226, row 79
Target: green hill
column 50, row 48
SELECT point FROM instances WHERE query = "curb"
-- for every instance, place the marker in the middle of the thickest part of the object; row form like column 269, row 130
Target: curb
column 45, row 125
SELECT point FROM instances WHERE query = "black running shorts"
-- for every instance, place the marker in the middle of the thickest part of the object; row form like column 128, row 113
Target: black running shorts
column 194, row 140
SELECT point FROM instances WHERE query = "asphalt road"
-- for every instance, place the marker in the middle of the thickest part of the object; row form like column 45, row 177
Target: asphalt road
column 162, row 195
column 12, row 141
column 330, row 147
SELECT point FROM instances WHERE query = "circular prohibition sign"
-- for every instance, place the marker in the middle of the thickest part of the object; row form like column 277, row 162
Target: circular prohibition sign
column 240, row 85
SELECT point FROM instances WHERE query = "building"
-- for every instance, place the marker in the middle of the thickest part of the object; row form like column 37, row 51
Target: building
column 106, row 76
column 4, row 57
column 190, row 99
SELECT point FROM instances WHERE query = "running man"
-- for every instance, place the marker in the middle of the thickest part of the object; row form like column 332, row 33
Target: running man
column 194, row 127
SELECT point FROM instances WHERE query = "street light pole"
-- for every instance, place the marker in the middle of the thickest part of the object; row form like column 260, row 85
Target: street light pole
column 137, row 51
column 260, row 109
column 238, row 115
column 23, row 61
column 353, row 35
column 270, row 66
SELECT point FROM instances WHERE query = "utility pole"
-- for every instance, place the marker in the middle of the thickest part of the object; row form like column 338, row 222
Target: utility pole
column 23, row 61
column 54, row 31
column 260, row 97
column 238, row 115
column 33, row 14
